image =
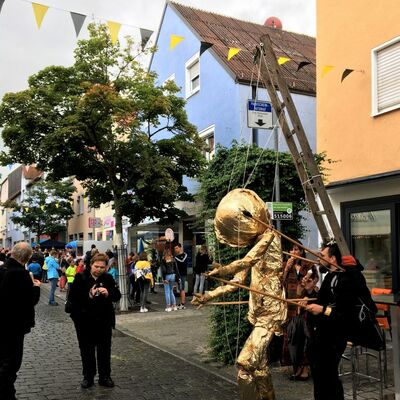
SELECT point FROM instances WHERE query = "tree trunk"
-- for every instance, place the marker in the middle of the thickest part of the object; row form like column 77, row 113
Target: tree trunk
column 122, row 276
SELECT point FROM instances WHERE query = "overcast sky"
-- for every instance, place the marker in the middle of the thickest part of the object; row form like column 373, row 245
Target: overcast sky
column 24, row 49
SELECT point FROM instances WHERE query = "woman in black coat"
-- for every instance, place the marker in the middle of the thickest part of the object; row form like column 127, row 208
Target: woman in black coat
column 90, row 302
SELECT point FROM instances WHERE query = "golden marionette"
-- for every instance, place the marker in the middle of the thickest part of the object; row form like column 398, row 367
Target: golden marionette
column 267, row 313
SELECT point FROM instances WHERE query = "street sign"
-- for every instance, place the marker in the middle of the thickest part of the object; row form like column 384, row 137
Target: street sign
column 259, row 114
column 280, row 211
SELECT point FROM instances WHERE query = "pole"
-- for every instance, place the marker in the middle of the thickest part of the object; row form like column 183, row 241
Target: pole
column 277, row 179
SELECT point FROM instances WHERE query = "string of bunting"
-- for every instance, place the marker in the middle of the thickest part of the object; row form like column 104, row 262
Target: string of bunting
column 78, row 19
column 114, row 27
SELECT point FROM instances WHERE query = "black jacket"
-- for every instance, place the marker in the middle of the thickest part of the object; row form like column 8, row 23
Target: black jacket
column 202, row 261
column 341, row 291
column 182, row 263
column 18, row 297
column 98, row 308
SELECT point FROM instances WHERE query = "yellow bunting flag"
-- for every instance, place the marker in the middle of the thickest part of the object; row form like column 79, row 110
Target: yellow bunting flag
column 114, row 28
column 26, row 209
column 232, row 52
column 40, row 11
column 57, row 205
column 174, row 40
column 326, row 69
column 42, row 207
column 283, row 60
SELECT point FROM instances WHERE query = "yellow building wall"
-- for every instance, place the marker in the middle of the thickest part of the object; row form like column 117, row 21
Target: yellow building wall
column 80, row 222
column 347, row 31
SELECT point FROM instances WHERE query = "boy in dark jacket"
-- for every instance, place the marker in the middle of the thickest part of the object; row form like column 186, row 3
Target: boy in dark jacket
column 91, row 303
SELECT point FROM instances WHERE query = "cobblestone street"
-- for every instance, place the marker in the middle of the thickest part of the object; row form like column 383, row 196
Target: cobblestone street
column 51, row 367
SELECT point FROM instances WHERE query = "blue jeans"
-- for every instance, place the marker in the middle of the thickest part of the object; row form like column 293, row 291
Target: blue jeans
column 53, row 287
column 168, row 290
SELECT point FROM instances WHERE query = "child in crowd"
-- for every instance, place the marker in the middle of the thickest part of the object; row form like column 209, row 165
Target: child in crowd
column 35, row 269
column 70, row 273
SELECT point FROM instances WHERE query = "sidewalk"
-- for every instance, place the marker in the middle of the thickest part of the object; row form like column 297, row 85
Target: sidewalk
column 184, row 335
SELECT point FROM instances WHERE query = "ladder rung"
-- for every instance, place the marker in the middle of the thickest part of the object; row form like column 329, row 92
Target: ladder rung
column 321, row 212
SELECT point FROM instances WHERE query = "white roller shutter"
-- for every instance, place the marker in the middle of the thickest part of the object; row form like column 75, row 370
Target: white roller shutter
column 388, row 77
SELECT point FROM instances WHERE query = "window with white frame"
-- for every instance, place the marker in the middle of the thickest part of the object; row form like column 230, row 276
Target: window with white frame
column 386, row 77
column 192, row 75
column 208, row 136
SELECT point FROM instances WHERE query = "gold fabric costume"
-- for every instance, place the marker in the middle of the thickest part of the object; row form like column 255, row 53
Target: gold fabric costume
column 264, row 261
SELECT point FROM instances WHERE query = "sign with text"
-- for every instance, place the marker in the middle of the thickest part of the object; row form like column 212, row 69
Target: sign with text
column 94, row 222
column 280, row 210
column 259, row 114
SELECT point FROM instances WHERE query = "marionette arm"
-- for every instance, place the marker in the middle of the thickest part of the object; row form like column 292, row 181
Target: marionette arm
column 240, row 277
column 250, row 259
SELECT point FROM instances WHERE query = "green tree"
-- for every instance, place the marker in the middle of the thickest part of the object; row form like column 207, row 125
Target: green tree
column 107, row 122
column 46, row 208
column 253, row 167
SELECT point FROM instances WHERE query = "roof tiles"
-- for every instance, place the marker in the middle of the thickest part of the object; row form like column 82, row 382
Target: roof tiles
column 224, row 32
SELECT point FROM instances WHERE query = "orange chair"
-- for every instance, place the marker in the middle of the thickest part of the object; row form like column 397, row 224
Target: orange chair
column 383, row 316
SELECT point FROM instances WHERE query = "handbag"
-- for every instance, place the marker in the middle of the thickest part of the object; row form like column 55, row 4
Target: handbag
column 365, row 330
column 68, row 307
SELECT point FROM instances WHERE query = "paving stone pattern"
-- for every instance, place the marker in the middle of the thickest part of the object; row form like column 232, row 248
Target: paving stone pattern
column 51, row 367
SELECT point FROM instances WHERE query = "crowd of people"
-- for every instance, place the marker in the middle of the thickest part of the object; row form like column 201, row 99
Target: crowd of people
column 315, row 333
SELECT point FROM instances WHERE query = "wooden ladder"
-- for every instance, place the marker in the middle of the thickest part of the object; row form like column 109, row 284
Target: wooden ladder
column 299, row 147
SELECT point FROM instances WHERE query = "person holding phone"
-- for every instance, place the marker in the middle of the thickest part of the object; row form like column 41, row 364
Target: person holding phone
column 91, row 299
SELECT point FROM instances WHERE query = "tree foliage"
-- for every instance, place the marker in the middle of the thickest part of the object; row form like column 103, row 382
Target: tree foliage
column 46, row 208
column 253, row 167
column 106, row 121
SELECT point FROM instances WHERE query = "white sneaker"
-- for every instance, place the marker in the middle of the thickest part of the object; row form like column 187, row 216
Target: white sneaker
column 174, row 308
column 144, row 309
column 168, row 309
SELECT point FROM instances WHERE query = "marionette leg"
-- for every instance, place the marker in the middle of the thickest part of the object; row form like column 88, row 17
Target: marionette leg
column 254, row 377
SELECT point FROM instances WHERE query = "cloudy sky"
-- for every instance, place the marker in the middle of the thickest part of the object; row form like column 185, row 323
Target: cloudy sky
column 25, row 49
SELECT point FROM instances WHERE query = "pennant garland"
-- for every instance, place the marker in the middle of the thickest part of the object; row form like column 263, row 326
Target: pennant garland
column 40, row 11
column 283, row 60
column 114, row 28
column 145, row 35
column 57, row 205
column 346, row 73
column 42, row 207
column 26, row 209
column 174, row 40
column 232, row 52
column 78, row 20
column 204, row 46
column 326, row 69
column 302, row 65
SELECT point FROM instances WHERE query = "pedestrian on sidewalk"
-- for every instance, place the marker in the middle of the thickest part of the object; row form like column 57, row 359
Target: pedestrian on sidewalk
column 144, row 278
column 201, row 266
column 182, row 264
column 52, row 275
column 91, row 302
column 169, row 273
column 70, row 273
column 19, row 293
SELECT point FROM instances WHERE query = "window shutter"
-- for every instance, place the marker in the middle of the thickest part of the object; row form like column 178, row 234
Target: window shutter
column 194, row 70
column 388, row 73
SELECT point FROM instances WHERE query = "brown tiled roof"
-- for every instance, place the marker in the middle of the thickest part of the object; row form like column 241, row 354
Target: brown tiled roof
column 224, row 32
column 30, row 172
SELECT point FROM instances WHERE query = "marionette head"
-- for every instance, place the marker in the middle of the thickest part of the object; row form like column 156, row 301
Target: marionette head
column 232, row 227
